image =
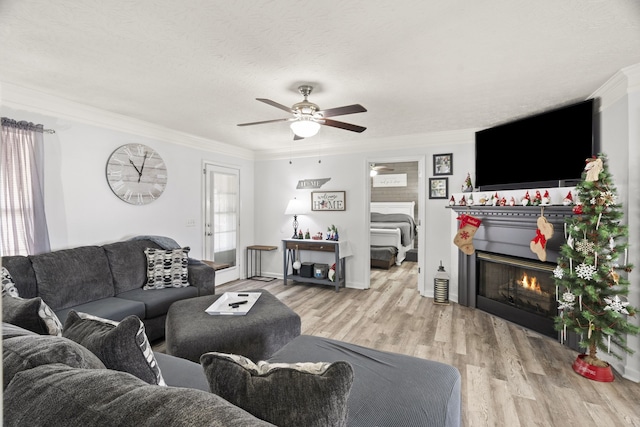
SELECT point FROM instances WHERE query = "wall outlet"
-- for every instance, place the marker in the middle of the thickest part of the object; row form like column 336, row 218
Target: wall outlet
column 191, row 223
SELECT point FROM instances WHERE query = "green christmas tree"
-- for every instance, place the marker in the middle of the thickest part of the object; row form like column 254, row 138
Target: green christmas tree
column 591, row 276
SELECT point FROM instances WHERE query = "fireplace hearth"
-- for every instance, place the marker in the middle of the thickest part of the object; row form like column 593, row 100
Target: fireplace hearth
column 504, row 277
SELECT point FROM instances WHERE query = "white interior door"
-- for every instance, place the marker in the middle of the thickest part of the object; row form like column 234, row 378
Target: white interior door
column 222, row 224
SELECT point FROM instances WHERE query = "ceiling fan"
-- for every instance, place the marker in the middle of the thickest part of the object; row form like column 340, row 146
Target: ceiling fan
column 307, row 117
column 381, row 168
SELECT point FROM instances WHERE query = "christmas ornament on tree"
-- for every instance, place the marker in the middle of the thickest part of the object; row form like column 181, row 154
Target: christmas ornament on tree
column 596, row 244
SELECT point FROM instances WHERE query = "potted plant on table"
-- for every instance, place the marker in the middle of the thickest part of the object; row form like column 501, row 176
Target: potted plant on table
column 591, row 282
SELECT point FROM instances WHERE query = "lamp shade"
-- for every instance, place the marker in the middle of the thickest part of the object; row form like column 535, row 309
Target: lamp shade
column 296, row 207
column 305, row 127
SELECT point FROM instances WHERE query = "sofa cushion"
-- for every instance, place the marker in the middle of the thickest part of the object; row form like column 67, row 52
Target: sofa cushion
column 8, row 285
column 167, row 268
column 28, row 351
column 288, row 395
column 179, row 372
column 157, row 301
column 32, row 314
column 10, row 330
column 111, row 308
column 22, row 273
column 389, row 389
column 56, row 395
column 122, row 346
column 70, row 277
column 128, row 263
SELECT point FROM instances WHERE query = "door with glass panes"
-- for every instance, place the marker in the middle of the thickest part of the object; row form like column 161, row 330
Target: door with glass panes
column 222, row 199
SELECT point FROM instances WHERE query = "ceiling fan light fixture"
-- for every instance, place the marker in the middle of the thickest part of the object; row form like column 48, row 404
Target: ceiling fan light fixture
column 305, row 127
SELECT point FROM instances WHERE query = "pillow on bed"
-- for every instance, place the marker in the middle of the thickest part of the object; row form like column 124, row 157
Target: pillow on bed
column 285, row 394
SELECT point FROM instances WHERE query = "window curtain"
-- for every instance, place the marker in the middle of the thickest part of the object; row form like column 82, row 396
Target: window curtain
column 23, row 226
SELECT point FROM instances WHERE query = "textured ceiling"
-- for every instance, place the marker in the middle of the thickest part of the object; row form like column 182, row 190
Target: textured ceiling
column 417, row 66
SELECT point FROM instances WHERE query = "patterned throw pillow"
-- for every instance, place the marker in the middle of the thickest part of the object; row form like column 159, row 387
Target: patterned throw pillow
column 122, row 346
column 285, row 394
column 167, row 268
column 32, row 314
column 8, row 285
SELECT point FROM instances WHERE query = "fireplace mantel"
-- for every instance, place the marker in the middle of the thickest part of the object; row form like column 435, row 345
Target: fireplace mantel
column 507, row 230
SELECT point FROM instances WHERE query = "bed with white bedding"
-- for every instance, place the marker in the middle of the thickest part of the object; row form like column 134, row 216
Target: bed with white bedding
column 393, row 225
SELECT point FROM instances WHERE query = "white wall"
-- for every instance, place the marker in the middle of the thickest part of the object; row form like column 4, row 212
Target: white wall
column 276, row 182
column 81, row 209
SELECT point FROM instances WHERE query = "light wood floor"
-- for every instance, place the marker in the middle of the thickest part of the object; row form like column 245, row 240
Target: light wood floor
column 511, row 376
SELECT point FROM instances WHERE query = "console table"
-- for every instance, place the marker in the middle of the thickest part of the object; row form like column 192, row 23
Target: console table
column 340, row 250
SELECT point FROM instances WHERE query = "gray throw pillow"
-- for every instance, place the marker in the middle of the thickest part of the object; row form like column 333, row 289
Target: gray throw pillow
column 56, row 395
column 285, row 394
column 167, row 268
column 32, row 314
column 122, row 346
column 28, row 351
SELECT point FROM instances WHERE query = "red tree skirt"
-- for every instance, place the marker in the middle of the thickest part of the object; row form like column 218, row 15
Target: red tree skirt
column 595, row 373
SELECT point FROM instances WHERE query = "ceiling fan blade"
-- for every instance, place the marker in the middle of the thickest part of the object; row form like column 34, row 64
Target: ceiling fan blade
column 263, row 122
column 343, row 125
column 275, row 104
column 341, row 111
column 297, row 138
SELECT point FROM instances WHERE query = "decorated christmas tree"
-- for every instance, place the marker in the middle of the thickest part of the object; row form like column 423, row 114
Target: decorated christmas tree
column 591, row 276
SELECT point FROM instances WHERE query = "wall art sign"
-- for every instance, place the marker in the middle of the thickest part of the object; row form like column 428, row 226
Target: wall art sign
column 312, row 183
column 328, row 201
column 443, row 164
column 390, row 180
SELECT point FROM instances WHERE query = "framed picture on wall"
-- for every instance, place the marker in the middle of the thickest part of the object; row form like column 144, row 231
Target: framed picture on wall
column 438, row 188
column 328, row 201
column 443, row 164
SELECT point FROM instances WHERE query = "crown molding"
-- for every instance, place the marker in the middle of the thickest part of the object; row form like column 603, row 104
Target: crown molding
column 415, row 141
column 27, row 99
column 622, row 83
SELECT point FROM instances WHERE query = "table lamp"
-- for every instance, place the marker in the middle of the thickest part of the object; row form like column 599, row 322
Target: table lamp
column 296, row 207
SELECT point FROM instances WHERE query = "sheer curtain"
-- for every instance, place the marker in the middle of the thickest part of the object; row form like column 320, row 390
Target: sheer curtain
column 23, row 226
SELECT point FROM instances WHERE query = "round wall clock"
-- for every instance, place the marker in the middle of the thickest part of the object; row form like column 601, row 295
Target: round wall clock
column 136, row 174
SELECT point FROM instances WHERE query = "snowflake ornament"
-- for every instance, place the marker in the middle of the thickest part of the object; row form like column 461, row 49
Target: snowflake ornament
column 616, row 305
column 585, row 271
column 558, row 272
column 568, row 300
column 585, row 247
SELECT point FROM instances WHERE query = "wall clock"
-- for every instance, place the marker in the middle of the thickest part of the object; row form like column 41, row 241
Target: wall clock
column 136, row 174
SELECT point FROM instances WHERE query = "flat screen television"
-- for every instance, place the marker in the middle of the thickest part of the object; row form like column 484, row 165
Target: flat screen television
column 544, row 150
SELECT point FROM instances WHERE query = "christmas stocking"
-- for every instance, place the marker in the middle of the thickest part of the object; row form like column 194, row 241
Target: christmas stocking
column 464, row 237
column 538, row 244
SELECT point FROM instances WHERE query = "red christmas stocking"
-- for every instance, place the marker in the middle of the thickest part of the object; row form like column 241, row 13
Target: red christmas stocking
column 464, row 237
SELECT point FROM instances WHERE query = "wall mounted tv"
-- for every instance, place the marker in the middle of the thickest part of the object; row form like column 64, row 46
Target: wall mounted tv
column 544, row 150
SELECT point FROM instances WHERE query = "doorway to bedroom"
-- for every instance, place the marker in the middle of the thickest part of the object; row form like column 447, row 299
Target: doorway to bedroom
column 395, row 209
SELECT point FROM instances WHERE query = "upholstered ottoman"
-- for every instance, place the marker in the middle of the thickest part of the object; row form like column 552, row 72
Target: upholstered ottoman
column 191, row 332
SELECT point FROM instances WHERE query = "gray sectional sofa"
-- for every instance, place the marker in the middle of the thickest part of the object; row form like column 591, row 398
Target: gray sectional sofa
column 105, row 281
column 55, row 384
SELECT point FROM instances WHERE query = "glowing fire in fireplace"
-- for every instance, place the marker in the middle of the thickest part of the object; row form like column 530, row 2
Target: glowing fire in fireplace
column 530, row 284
